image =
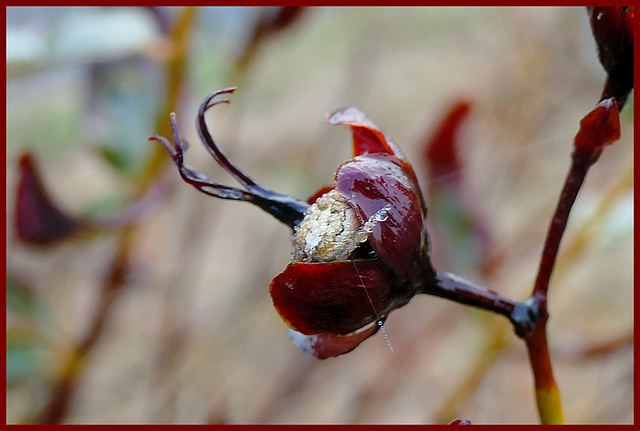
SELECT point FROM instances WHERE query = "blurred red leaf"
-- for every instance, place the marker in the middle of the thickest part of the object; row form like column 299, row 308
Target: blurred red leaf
column 440, row 152
column 268, row 24
column 38, row 219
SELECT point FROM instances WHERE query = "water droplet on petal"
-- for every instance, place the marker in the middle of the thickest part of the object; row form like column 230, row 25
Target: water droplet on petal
column 382, row 216
column 322, row 203
column 361, row 236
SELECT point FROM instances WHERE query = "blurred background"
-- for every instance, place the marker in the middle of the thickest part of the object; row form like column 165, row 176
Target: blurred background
column 153, row 307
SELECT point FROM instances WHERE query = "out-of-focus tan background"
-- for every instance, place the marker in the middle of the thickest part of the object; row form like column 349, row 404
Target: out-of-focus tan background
column 192, row 336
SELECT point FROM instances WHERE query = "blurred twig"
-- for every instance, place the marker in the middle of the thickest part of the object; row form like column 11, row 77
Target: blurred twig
column 599, row 349
column 268, row 24
column 497, row 342
column 176, row 77
column 74, row 361
column 64, row 386
column 176, row 305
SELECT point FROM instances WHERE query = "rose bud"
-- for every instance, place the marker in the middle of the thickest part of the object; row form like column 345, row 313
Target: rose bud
column 360, row 247
column 612, row 28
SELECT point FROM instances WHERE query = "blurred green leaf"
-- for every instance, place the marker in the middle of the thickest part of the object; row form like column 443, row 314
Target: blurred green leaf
column 106, row 206
column 19, row 299
column 24, row 343
column 22, row 354
column 458, row 230
column 119, row 158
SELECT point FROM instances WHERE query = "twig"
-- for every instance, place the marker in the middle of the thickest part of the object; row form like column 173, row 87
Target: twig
column 63, row 389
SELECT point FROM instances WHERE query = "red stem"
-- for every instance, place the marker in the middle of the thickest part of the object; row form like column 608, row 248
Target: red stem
column 547, row 395
column 539, row 355
column 579, row 166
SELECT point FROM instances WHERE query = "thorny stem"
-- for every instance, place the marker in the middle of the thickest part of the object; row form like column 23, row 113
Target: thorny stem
column 285, row 208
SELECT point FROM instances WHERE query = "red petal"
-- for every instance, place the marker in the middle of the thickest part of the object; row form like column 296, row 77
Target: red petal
column 367, row 137
column 314, row 197
column 329, row 344
column 337, row 297
column 370, row 183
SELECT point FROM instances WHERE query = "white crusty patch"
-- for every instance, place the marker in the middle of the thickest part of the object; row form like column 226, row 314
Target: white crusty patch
column 331, row 230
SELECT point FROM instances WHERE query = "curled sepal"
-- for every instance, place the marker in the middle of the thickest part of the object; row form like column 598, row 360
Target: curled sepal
column 285, row 208
column 329, row 344
column 336, row 297
column 367, row 137
column 383, row 190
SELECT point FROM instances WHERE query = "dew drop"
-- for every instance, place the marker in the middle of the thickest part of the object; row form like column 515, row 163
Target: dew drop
column 361, row 236
column 382, row 216
column 322, row 203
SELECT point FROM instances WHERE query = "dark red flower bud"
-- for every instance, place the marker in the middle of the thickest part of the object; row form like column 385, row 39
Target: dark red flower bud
column 360, row 248
column 333, row 296
column 612, row 28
